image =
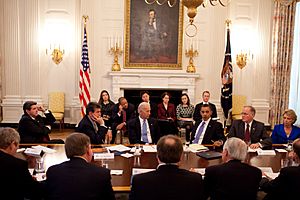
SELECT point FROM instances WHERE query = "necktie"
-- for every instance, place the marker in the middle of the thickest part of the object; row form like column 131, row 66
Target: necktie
column 247, row 134
column 199, row 132
column 124, row 120
column 144, row 132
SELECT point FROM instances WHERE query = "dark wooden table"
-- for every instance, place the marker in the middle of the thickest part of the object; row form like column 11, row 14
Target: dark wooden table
column 121, row 183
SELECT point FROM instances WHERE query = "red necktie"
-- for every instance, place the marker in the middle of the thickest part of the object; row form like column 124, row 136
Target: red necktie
column 247, row 134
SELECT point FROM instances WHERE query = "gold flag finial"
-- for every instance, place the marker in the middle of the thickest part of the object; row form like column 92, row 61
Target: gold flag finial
column 227, row 22
column 85, row 17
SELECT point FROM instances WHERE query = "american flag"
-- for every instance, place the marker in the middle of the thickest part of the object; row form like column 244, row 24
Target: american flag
column 84, row 82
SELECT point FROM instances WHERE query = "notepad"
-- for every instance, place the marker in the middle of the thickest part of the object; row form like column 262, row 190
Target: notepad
column 119, row 147
column 140, row 170
column 266, row 153
column 200, row 170
column 271, row 175
column 197, row 147
column 209, row 155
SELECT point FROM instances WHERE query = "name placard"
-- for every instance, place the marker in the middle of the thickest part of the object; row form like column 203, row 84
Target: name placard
column 104, row 156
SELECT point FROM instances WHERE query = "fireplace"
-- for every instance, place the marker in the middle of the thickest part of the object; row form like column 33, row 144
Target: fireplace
column 133, row 95
column 131, row 83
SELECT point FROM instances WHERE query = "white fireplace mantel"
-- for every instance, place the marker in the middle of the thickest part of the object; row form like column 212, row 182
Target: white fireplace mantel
column 153, row 80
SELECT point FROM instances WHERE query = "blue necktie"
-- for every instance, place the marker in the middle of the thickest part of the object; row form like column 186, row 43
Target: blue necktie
column 144, row 132
column 199, row 132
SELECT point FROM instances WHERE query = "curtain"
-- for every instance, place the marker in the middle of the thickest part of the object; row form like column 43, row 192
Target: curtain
column 282, row 45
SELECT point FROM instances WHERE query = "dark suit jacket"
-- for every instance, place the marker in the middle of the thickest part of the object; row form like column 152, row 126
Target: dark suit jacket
column 85, row 126
column 134, row 130
column 233, row 180
column 168, row 182
column 130, row 114
column 197, row 115
column 16, row 180
column 35, row 130
column 214, row 131
column 78, row 179
column 258, row 132
column 285, row 186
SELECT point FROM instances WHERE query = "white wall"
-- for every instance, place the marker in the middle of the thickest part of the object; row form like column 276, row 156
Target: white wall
column 28, row 73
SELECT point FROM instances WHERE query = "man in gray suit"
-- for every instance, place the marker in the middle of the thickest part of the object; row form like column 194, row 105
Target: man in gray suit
column 250, row 130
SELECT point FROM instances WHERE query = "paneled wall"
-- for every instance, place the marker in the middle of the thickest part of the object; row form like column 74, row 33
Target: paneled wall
column 28, row 73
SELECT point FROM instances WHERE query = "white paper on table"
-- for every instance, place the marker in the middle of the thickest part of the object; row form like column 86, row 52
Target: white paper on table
column 200, row 171
column 253, row 150
column 149, row 148
column 33, row 152
column 44, row 149
column 140, row 170
column 266, row 153
column 102, row 156
column 20, row 150
column 119, row 147
column 197, row 147
column 266, row 169
column 271, row 175
column 281, row 150
column 116, row 172
column 126, row 155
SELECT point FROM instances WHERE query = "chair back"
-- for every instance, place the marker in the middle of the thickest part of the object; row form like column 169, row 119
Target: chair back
column 238, row 102
column 57, row 102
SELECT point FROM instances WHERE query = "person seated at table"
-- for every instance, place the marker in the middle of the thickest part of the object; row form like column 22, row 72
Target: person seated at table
column 145, row 95
column 234, row 179
column 168, row 181
column 184, row 113
column 207, row 131
column 251, row 131
column 34, row 128
column 286, row 185
column 286, row 132
column 77, row 178
column 17, row 183
column 92, row 124
column 143, row 129
column 121, row 114
column 106, row 106
column 166, row 115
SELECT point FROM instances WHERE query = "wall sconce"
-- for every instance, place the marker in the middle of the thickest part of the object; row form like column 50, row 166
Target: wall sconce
column 57, row 54
column 242, row 58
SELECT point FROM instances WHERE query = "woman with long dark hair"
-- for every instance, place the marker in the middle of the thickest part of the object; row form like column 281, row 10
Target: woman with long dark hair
column 106, row 107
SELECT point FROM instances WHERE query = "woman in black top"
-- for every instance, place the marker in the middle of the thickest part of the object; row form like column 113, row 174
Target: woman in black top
column 106, row 107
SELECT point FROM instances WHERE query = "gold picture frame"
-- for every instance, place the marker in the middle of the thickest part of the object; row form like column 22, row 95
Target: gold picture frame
column 153, row 48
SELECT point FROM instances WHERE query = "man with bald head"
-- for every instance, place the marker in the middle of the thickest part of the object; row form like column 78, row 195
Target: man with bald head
column 143, row 129
column 168, row 181
column 251, row 131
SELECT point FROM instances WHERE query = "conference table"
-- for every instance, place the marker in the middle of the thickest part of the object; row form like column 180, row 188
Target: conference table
column 121, row 183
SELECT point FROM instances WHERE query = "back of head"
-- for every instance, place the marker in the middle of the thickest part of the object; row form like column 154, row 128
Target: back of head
column 169, row 149
column 76, row 144
column 237, row 148
column 296, row 147
column 27, row 105
column 8, row 136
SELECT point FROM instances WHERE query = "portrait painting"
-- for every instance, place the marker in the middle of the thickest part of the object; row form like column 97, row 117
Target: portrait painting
column 153, row 36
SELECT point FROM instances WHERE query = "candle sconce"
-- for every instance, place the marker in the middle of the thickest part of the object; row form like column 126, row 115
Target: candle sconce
column 191, row 53
column 57, row 54
column 116, row 51
column 242, row 59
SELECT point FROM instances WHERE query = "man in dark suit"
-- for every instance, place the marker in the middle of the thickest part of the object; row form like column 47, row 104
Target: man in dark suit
column 142, row 129
column 250, row 130
column 77, row 178
column 92, row 124
column 167, row 181
column 205, row 97
column 207, row 131
column 286, row 185
column 34, row 128
column 232, row 180
column 121, row 114
column 17, row 183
